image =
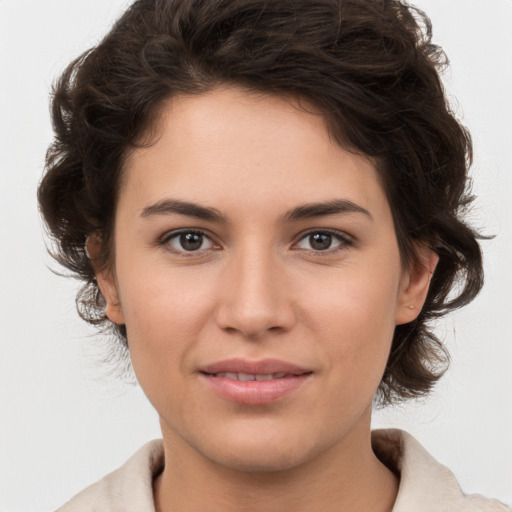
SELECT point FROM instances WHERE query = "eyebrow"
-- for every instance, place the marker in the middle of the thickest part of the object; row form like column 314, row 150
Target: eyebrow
column 334, row 207
column 306, row 211
column 170, row 206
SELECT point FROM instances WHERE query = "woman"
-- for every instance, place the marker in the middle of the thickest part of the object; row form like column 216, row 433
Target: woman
column 264, row 202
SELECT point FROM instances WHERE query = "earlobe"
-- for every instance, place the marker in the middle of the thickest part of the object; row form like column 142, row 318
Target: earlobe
column 106, row 282
column 415, row 285
column 108, row 288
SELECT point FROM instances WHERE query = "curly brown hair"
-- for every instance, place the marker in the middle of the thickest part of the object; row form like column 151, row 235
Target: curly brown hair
column 368, row 65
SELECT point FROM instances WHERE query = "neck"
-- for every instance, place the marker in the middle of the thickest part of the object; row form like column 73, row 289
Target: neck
column 344, row 478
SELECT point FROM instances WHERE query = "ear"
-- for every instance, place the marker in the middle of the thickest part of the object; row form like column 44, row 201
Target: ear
column 415, row 285
column 105, row 278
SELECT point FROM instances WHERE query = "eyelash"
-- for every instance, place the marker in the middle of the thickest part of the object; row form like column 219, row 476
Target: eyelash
column 166, row 239
column 345, row 241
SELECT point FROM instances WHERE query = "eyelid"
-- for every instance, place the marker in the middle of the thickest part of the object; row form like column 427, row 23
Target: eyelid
column 169, row 235
column 344, row 238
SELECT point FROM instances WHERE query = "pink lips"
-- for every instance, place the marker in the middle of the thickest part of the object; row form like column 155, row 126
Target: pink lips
column 254, row 382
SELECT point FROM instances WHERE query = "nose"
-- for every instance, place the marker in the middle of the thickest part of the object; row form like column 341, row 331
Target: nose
column 254, row 297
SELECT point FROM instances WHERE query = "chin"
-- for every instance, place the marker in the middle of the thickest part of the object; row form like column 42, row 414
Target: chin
column 257, row 452
column 257, row 460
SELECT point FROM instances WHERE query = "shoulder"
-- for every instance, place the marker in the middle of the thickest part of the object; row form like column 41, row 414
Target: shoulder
column 128, row 488
column 425, row 484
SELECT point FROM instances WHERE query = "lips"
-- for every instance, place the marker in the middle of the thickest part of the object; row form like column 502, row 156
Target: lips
column 245, row 377
column 254, row 382
column 263, row 367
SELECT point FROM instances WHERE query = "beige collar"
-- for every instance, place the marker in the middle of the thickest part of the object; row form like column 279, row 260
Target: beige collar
column 425, row 485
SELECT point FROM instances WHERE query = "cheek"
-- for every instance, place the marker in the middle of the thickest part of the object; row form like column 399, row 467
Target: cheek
column 355, row 300
column 164, row 314
column 156, row 296
column 353, row 318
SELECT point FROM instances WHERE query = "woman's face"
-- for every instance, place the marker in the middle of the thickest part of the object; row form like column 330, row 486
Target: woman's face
column 258, row 274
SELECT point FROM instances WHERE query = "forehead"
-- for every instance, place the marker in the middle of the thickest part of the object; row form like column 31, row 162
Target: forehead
column 231, row 144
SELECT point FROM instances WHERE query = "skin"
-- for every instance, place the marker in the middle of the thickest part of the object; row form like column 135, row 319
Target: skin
column 259, row 288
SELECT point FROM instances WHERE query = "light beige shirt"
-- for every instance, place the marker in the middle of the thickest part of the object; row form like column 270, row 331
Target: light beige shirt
column 425, row 485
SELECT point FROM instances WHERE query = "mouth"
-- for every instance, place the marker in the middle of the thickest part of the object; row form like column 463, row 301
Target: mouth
column 254, row 383
column 267, row 368
column 247, row 377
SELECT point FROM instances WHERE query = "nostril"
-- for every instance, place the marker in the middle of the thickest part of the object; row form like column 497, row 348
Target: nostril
column 254, row 309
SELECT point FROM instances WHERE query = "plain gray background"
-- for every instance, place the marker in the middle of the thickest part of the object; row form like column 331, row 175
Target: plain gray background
column 64, row 423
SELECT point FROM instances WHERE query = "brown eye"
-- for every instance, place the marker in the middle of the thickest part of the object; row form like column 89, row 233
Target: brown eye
column 323, row 241
column 320, row 241
column 189, row 241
